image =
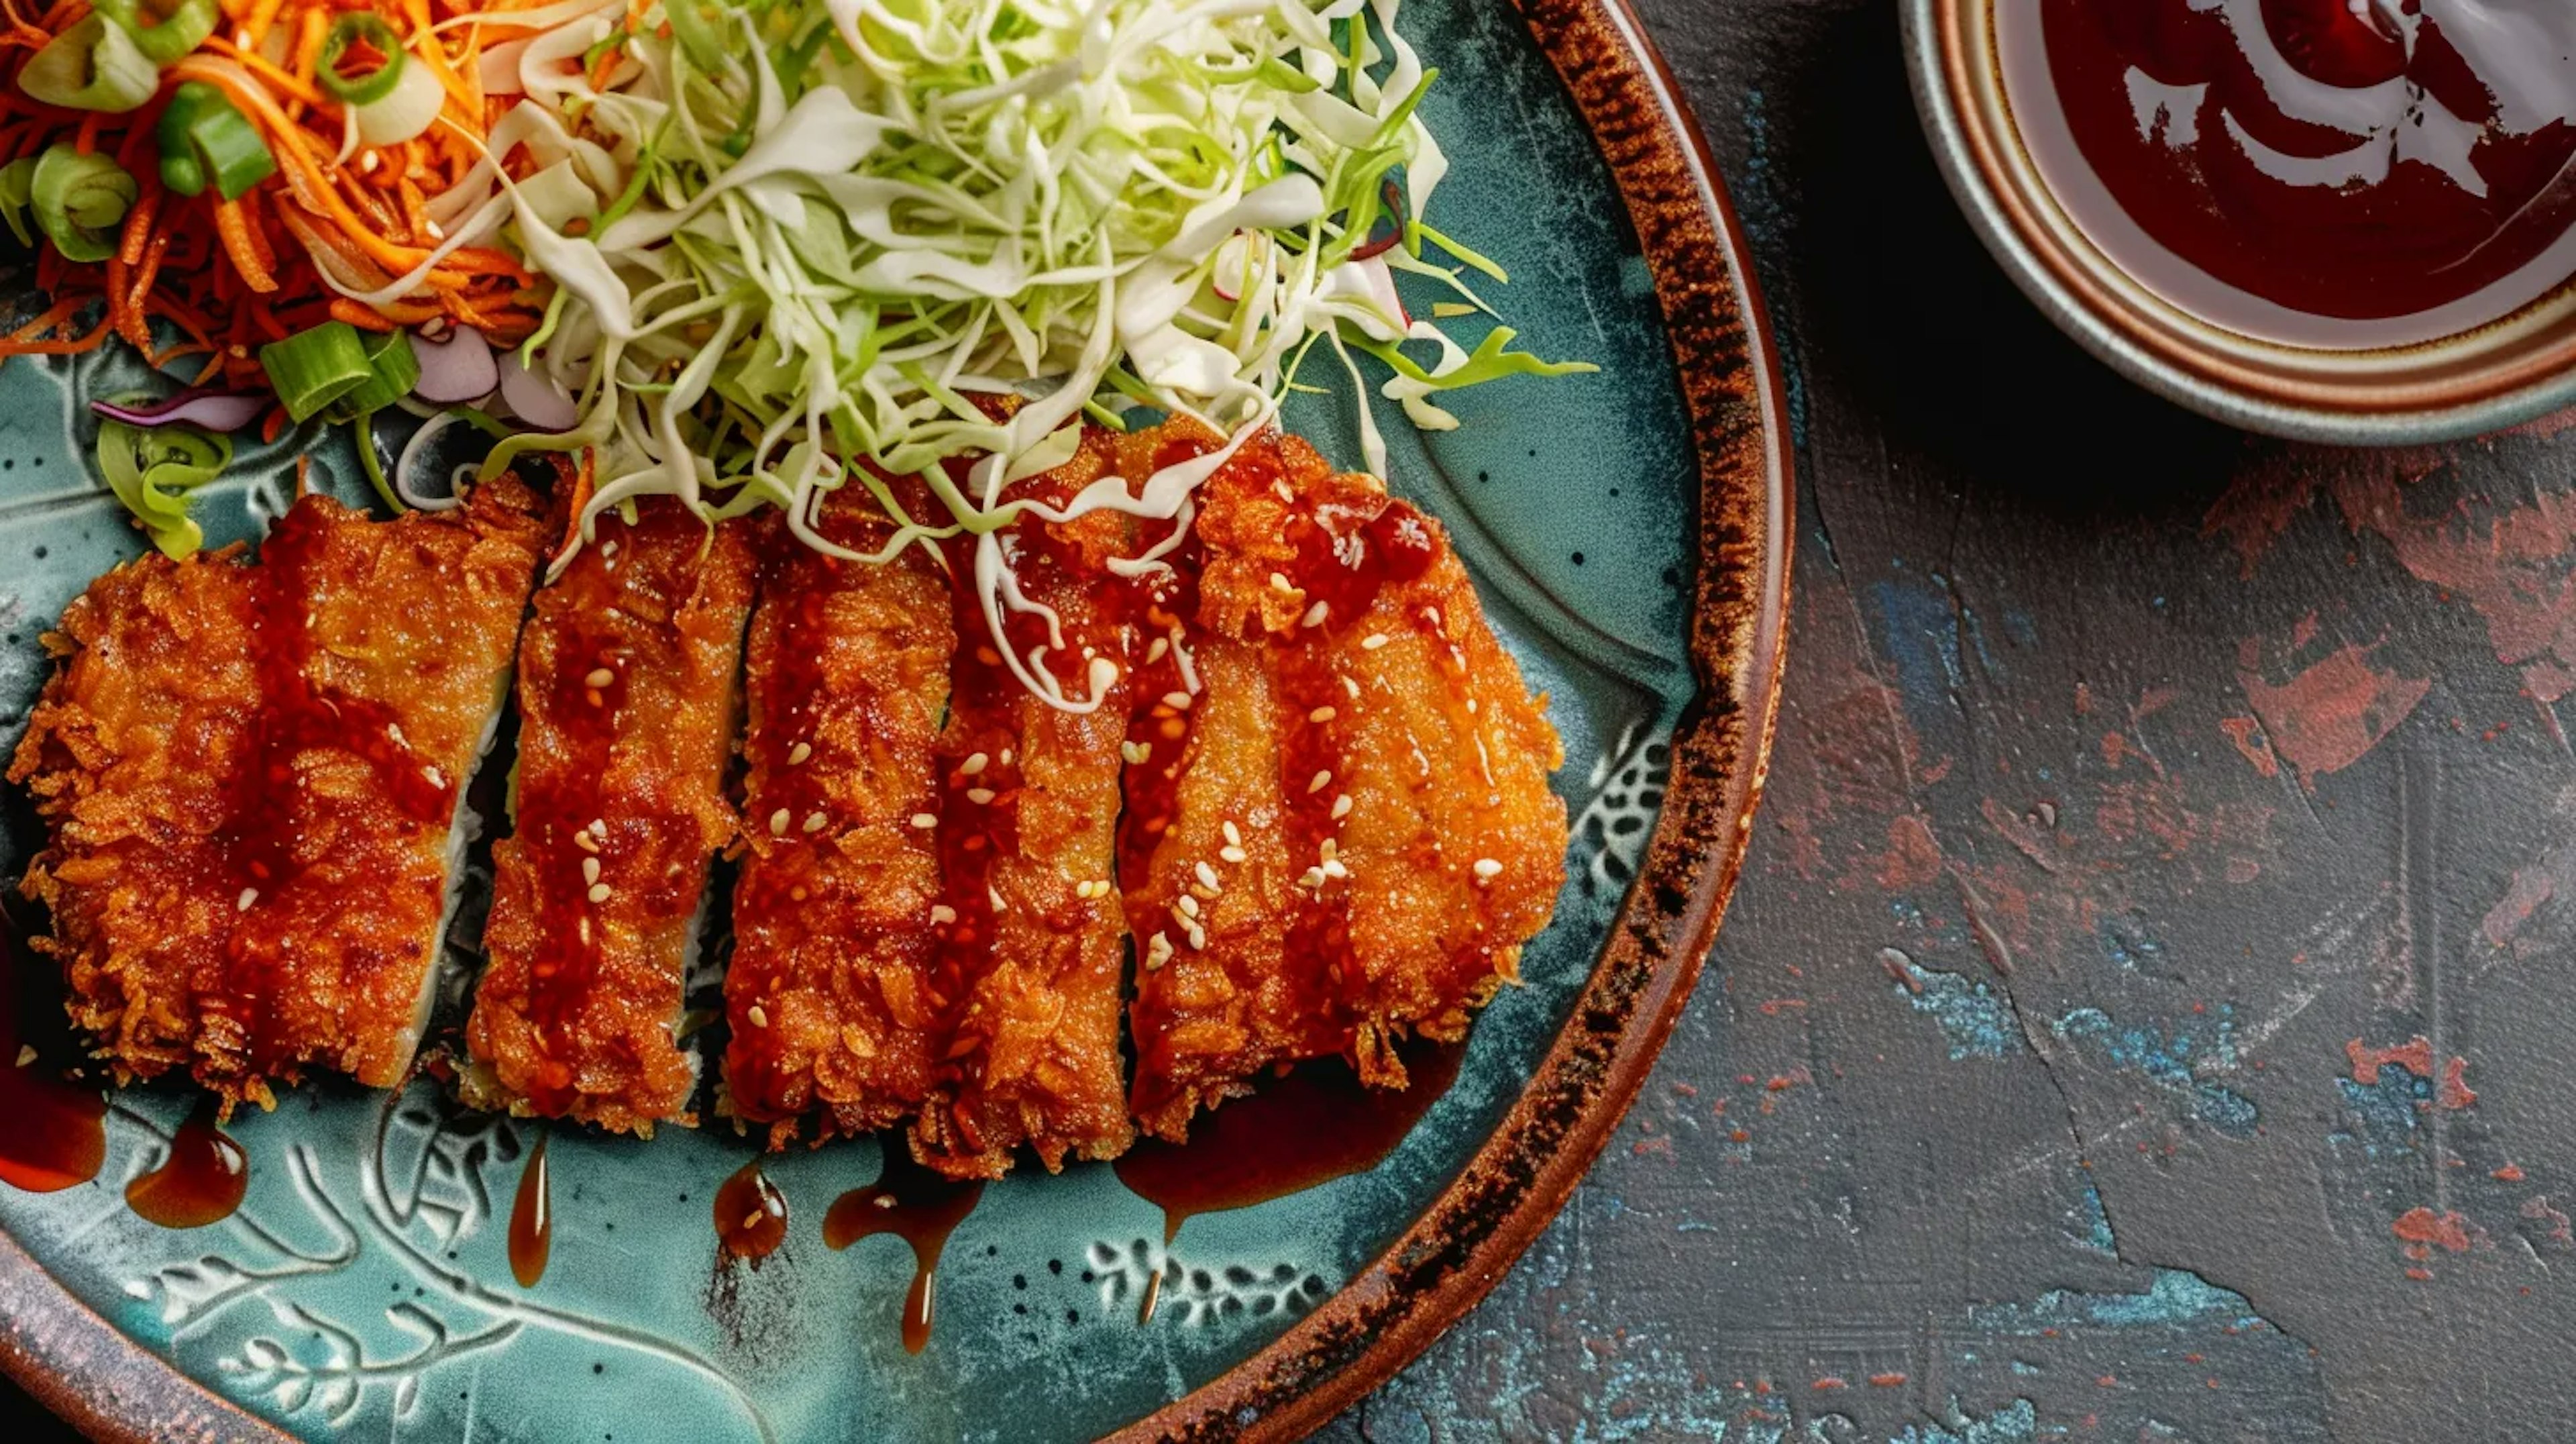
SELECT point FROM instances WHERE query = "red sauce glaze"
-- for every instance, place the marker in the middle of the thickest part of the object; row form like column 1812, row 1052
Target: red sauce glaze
column 917, row 1205
column 201, row 1182
column 751, row 1216
column 298, row 713
column 532, row 1219
column 2363, row 161
column 551, row 809
column 1310, row 1127
column 1161, row 608
column 53, row 1134
column 972, row 836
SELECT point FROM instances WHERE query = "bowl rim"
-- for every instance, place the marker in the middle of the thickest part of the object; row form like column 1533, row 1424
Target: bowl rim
column 1980, row 155
column 111, row 1387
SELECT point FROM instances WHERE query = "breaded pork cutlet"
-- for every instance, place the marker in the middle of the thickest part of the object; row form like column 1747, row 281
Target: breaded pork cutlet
column 836, row 1022
column 253, row 775
column 1423, row 845
column 1034, row 934
column 626, row 703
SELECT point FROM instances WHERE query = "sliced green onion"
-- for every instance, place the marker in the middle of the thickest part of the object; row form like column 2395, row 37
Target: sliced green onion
column 17, row 198
column 152, row 469
column 376, row 84
column 702, row 28
column 311, row 369
column 79, row 200
column 204, row 138
column 163, row 37
column 95, row 65
column 393, row 369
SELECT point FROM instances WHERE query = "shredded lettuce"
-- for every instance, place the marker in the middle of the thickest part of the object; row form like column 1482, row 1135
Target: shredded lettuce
column 798, row 244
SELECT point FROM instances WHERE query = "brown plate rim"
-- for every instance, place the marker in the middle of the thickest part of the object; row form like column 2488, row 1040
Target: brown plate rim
column 1471, row 1234
column 112, row 1388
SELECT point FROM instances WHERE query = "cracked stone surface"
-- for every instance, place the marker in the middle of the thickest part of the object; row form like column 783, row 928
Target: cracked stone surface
column 2146, row 1012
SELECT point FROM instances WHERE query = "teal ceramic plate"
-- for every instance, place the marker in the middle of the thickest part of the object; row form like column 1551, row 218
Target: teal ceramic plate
column 1628, row 532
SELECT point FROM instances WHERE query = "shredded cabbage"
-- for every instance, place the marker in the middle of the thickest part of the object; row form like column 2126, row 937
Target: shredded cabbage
column 791, row 236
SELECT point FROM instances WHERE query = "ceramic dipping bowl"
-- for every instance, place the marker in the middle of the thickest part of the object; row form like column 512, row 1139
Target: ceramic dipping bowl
column 2474, row 379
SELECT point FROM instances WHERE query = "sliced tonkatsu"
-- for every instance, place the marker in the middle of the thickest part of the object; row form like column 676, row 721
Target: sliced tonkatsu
column 1032, row 933
column 1406, row 795
column 836, row 1020
column 253, row 775
column 627, row 688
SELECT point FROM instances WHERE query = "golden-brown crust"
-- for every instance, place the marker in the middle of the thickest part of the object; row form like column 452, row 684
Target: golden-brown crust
column 1032, row 1053
column 1405, row 800
column 626, row 701
column 343, row 689
column 829, row 992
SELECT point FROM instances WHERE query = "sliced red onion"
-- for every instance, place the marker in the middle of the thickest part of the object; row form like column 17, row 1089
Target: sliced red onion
column 533, row 398
column 1232, row 264
column 455, row 370
column 197, row 406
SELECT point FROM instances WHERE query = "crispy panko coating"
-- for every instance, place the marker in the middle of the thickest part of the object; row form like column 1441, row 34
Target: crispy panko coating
column 1409, row 806
column 253, row 776
column 830, row 996
column 626, row 701
column 1028, row 837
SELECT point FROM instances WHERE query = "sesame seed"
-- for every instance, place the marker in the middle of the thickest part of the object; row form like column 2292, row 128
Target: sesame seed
column 1232, row 854
column 1203, row 892
column 1188, row 905
column 589, row 870
column 1204, row 873
column 1135, row 753
column 599, row 892
column 1313, row 877
column 1279, row 581
column 759, row 1017
column 1155, row 649
column 368, row 161
column 1233, row 834
column 598, row 828
column 941, row 915
column 1198, row 939
column 1486, row 867
column 1373, row 641
column 248, row 896
column 434, row 776
column 778, row 823
column 1322, row 781
column 979, row 795
column 584, row 841
column 973, row 765
column 925, row 820
column 1471, row 706
column 1177, row 701
column 1315, row 615
column 599, row 677
column 1351, row 688
column 1322, row 714
column 583, row 925
column 26, row 1055
column 436, row 232
column 1285, row 494
column 1006, row 757
column 993, row 895
column 815, row 822
column 1329, row 848
column 797, row 754
column 1334, row 867
column 1158, row 951
column 1341, row 807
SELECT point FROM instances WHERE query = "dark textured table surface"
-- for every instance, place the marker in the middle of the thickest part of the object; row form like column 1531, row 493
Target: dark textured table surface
column 2141, row 1017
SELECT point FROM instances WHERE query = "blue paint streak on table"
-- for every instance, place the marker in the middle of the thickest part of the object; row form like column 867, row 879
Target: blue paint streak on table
column 2144, row 1015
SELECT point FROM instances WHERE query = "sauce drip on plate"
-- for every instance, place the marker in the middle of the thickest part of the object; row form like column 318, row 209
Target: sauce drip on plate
column 751, row 1215
column 1308, row 1128
column 2392, row 170
column 53, row 1134
column 532, row 1219
column 201, row 1182
column 914, row 1204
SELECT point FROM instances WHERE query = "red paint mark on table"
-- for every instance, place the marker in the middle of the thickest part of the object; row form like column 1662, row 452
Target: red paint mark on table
column 1913, row 857
column 2537, row 1209
column 2247, row 734
column 2510, row 1173
column 2451, row 1089
column 2330, row 715
column 1887, row 1381
column 2448, row 1230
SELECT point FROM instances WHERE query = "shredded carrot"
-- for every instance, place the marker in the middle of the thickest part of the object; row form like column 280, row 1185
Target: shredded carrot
column 357, row 314
column 138, row 223
column 239, row 245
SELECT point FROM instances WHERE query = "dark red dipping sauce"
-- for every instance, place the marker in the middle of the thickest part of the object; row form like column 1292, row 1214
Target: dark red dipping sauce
column 2347, row 173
